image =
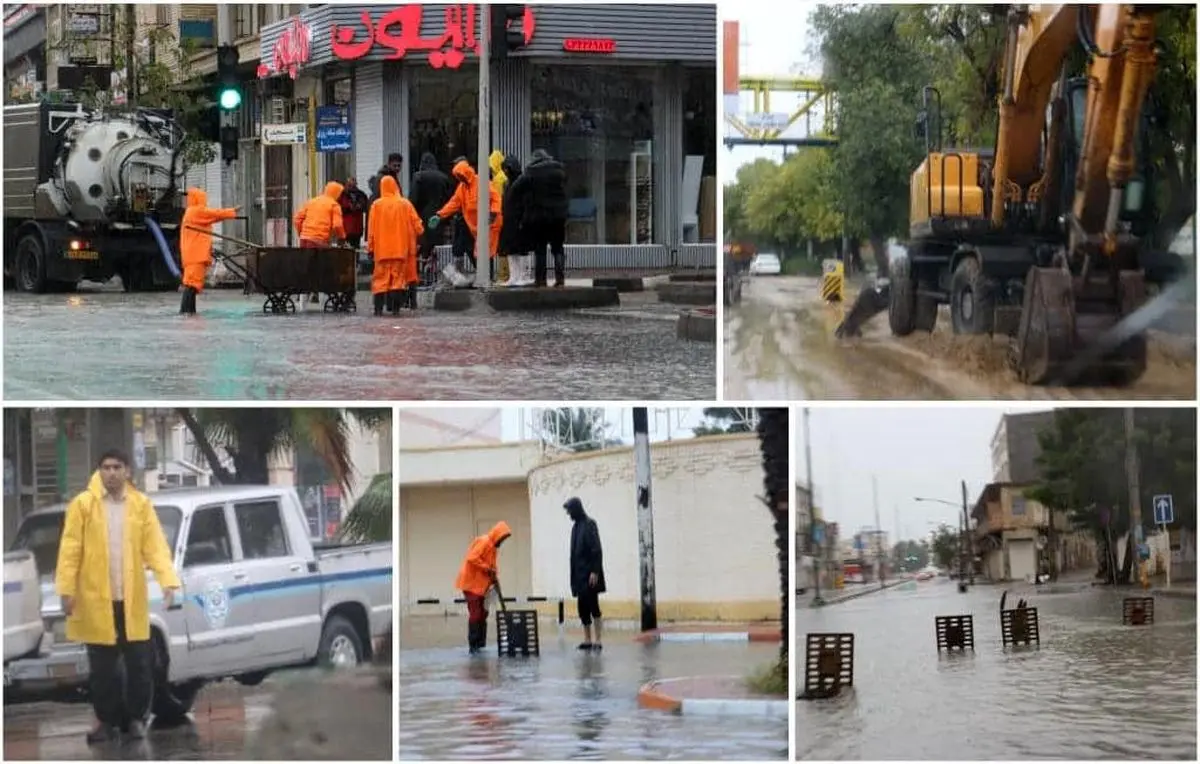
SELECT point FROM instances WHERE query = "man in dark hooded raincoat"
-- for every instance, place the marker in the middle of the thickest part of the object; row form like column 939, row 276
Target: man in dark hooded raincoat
column 587, row 570
column 430, row 189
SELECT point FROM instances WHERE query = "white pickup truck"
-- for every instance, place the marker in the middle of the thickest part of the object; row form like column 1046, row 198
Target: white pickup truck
column 22, row 605
column 257, row 596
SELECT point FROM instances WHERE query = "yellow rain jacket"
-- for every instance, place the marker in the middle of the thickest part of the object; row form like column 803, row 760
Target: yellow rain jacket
column 82, row 570
column 499, row 178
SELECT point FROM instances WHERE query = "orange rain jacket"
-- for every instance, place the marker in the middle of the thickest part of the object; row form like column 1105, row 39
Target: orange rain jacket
column 466, row 201
column 478, row 567
column 393, row 230
column 195, row 247
column 321, row 217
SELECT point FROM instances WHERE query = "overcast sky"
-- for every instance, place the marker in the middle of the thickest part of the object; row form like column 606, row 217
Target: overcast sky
column 775, row 41
column 912, row 452
column 664, row 424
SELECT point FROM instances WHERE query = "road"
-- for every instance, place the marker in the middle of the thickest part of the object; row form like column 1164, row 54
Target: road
column 779, row 344
column 101, row 345
column 1094, row 690
column 346, row 712
column 566, row 704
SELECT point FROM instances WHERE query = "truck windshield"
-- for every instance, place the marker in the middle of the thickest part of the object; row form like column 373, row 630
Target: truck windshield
column 40, row 534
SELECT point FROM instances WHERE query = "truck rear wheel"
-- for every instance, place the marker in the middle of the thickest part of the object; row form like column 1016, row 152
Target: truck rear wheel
column 972, row 299
column 171, row 703
column 31, row 264
column 340, row 645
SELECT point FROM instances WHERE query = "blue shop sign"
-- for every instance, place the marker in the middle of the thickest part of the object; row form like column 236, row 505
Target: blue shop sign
column 334, row 132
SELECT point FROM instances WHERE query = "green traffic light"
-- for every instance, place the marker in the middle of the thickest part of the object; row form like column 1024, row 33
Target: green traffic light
column 230, row 98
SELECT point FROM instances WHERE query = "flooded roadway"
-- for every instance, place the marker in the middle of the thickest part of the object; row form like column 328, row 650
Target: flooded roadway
column 567, row 704
column 779, row 344
column 1094, row 690
column 106, row 345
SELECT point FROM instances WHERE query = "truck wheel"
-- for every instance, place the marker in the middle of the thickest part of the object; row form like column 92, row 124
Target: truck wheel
column 902, row 299
column 972, row 299
column 31, row 264
column 340, row 646
column 171, row 703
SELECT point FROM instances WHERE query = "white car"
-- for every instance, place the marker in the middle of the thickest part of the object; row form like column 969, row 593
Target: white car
column 765, row 265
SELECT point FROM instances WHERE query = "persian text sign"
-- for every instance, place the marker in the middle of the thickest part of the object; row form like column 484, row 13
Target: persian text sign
column 399, row 32
column 291, row 51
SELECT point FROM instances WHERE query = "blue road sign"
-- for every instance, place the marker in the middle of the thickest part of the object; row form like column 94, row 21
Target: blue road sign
column 334, row 132
column 818, row 533
column 1164, row 509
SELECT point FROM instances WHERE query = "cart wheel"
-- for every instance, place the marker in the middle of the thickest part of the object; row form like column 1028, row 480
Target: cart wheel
column 269, row 306
column 290, row 306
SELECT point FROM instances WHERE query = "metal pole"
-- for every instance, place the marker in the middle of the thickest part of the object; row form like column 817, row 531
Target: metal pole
column 1131, row 476
column 878, row 532
column 485, row 97
column 131, row 90
column 645, row 517
column 969, row 539
column 818, row 558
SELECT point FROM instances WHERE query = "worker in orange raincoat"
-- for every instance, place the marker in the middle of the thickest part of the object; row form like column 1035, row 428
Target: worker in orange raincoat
column 195, row 244
column 319, row 221
column 466, row 201
column 478, row 574
column 393, row 230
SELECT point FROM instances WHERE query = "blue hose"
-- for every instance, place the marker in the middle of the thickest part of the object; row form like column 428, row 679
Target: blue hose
column 163, row 247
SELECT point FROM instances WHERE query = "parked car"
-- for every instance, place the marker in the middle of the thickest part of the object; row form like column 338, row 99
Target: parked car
column 22, row 605
column 257, row 597
column 766, row 264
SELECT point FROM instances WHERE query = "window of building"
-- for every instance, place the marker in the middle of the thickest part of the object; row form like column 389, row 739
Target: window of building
column 445, row 117
column 599, row 123
column 260, row 526
column 700, row 140
column 208, row 540
column 1018, row 506
column 339, row 165
column 246, row 20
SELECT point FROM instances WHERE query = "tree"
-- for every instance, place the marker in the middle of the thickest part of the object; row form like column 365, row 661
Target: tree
column 911, row 555
column 794, row 203
column 774, row 445
column 749, row 177
column 370, row 519
column 945, row 546
column 724, row 421
column 578, row 429
column 251, row 436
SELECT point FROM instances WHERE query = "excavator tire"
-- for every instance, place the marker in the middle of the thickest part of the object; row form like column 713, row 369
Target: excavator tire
column 1059, row 331
column 908, row 311
column 972, row 299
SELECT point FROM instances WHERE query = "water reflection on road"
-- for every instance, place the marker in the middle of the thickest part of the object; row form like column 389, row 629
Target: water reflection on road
column 1094, row 690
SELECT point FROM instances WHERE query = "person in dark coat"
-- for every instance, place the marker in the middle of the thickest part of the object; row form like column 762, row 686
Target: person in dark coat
column 512, row 235
column 354, row 211
column 587, row 570
column 430, row 189
column 395, row 163
column 545, row 219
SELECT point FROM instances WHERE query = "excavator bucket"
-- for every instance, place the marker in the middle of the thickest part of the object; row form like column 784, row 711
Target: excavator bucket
column 870, row 302
column 1067, row 328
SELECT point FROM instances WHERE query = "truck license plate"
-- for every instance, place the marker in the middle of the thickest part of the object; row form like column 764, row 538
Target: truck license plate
column 82, row 254
column 62, row 670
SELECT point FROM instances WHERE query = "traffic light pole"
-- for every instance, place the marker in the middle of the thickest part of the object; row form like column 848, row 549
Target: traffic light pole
column 482, row 239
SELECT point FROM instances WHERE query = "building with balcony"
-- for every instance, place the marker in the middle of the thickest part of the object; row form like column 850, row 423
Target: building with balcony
column 1012, row 537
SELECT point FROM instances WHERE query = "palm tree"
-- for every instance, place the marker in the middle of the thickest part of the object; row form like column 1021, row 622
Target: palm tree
column 252, row 435
column 773, row 442
column 370, row 519
column 577, row 429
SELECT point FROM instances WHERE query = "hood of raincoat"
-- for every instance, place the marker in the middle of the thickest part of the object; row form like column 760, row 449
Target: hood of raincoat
column 496, row 160
column 428, row 162
column 511, row 166
column 388, row 186
column 196, row 198
column 96, row 484
column 333, row 189
column 464, row 172
column 499, row 532
column 542, row 159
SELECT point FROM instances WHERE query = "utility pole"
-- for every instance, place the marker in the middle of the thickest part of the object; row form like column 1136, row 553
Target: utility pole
column 878, row 532
column 1135, row 493
column 131, row 88
column 482, row 239
column 969, row 540
column 818, row 558
column 645, row 513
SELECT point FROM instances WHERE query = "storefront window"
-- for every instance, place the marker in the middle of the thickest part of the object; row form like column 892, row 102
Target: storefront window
column 339, row 165
column 444, row 105
column 700, row 141
column 599, row 122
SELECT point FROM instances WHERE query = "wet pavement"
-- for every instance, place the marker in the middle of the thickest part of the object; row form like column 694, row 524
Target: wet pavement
column 1094, row 689
column 780, row 344
column 566, row 704
column 107, row 345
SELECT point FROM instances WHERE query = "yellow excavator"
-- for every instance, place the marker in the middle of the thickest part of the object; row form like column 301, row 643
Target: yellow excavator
column 1043, row 237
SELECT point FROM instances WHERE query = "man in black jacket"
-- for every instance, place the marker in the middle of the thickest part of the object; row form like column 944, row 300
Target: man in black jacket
column 395, row 163
column 587, row 570
column 430, row 189
column 513, row 240
column 545, row 218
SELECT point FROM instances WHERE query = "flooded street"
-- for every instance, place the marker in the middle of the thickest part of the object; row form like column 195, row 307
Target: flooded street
column 567, row 704
column 779, row 344
column 70, row 347
column 1094, row 690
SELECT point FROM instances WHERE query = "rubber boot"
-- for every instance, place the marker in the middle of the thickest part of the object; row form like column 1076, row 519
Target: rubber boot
column 395, row 300
column 560, row 264
column 412, row 298
column 379, row 298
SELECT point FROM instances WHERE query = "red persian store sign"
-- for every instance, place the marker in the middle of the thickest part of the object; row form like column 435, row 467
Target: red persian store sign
column 589, row 45
column 399, row 31
column 290, row 52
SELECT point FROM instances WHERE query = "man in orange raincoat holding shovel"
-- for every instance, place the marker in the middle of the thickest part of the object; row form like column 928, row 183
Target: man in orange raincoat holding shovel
column 195, row 244
column 393, row 230
column 478, row 574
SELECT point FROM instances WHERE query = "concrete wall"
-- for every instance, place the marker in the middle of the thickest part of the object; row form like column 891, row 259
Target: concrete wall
column 714, row 541
column 441, row 428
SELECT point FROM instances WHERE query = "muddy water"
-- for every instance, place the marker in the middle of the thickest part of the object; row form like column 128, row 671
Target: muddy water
column 779, row 343
column 1093, row 690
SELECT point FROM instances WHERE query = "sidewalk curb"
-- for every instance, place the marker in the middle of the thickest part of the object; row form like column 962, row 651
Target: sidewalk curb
column 754, row 635
column 651, row 696
column 856, row 595
column 1174, row 593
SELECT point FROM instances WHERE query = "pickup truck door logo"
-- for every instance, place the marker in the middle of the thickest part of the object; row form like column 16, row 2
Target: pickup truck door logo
column 215, row 602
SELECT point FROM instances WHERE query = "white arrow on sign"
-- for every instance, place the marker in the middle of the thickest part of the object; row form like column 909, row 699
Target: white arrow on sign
column 1164, row 508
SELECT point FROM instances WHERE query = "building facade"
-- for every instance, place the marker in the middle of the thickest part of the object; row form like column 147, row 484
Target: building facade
column 623, row 95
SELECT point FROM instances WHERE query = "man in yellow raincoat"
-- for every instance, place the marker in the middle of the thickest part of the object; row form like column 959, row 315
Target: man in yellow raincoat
column 499, row 181
column 478, row 574
column 110, row 536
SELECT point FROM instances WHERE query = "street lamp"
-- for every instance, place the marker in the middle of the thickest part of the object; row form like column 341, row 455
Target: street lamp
column 966, row 566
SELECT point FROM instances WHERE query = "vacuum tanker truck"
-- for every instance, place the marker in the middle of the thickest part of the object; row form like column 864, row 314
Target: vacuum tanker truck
column 78, row 187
